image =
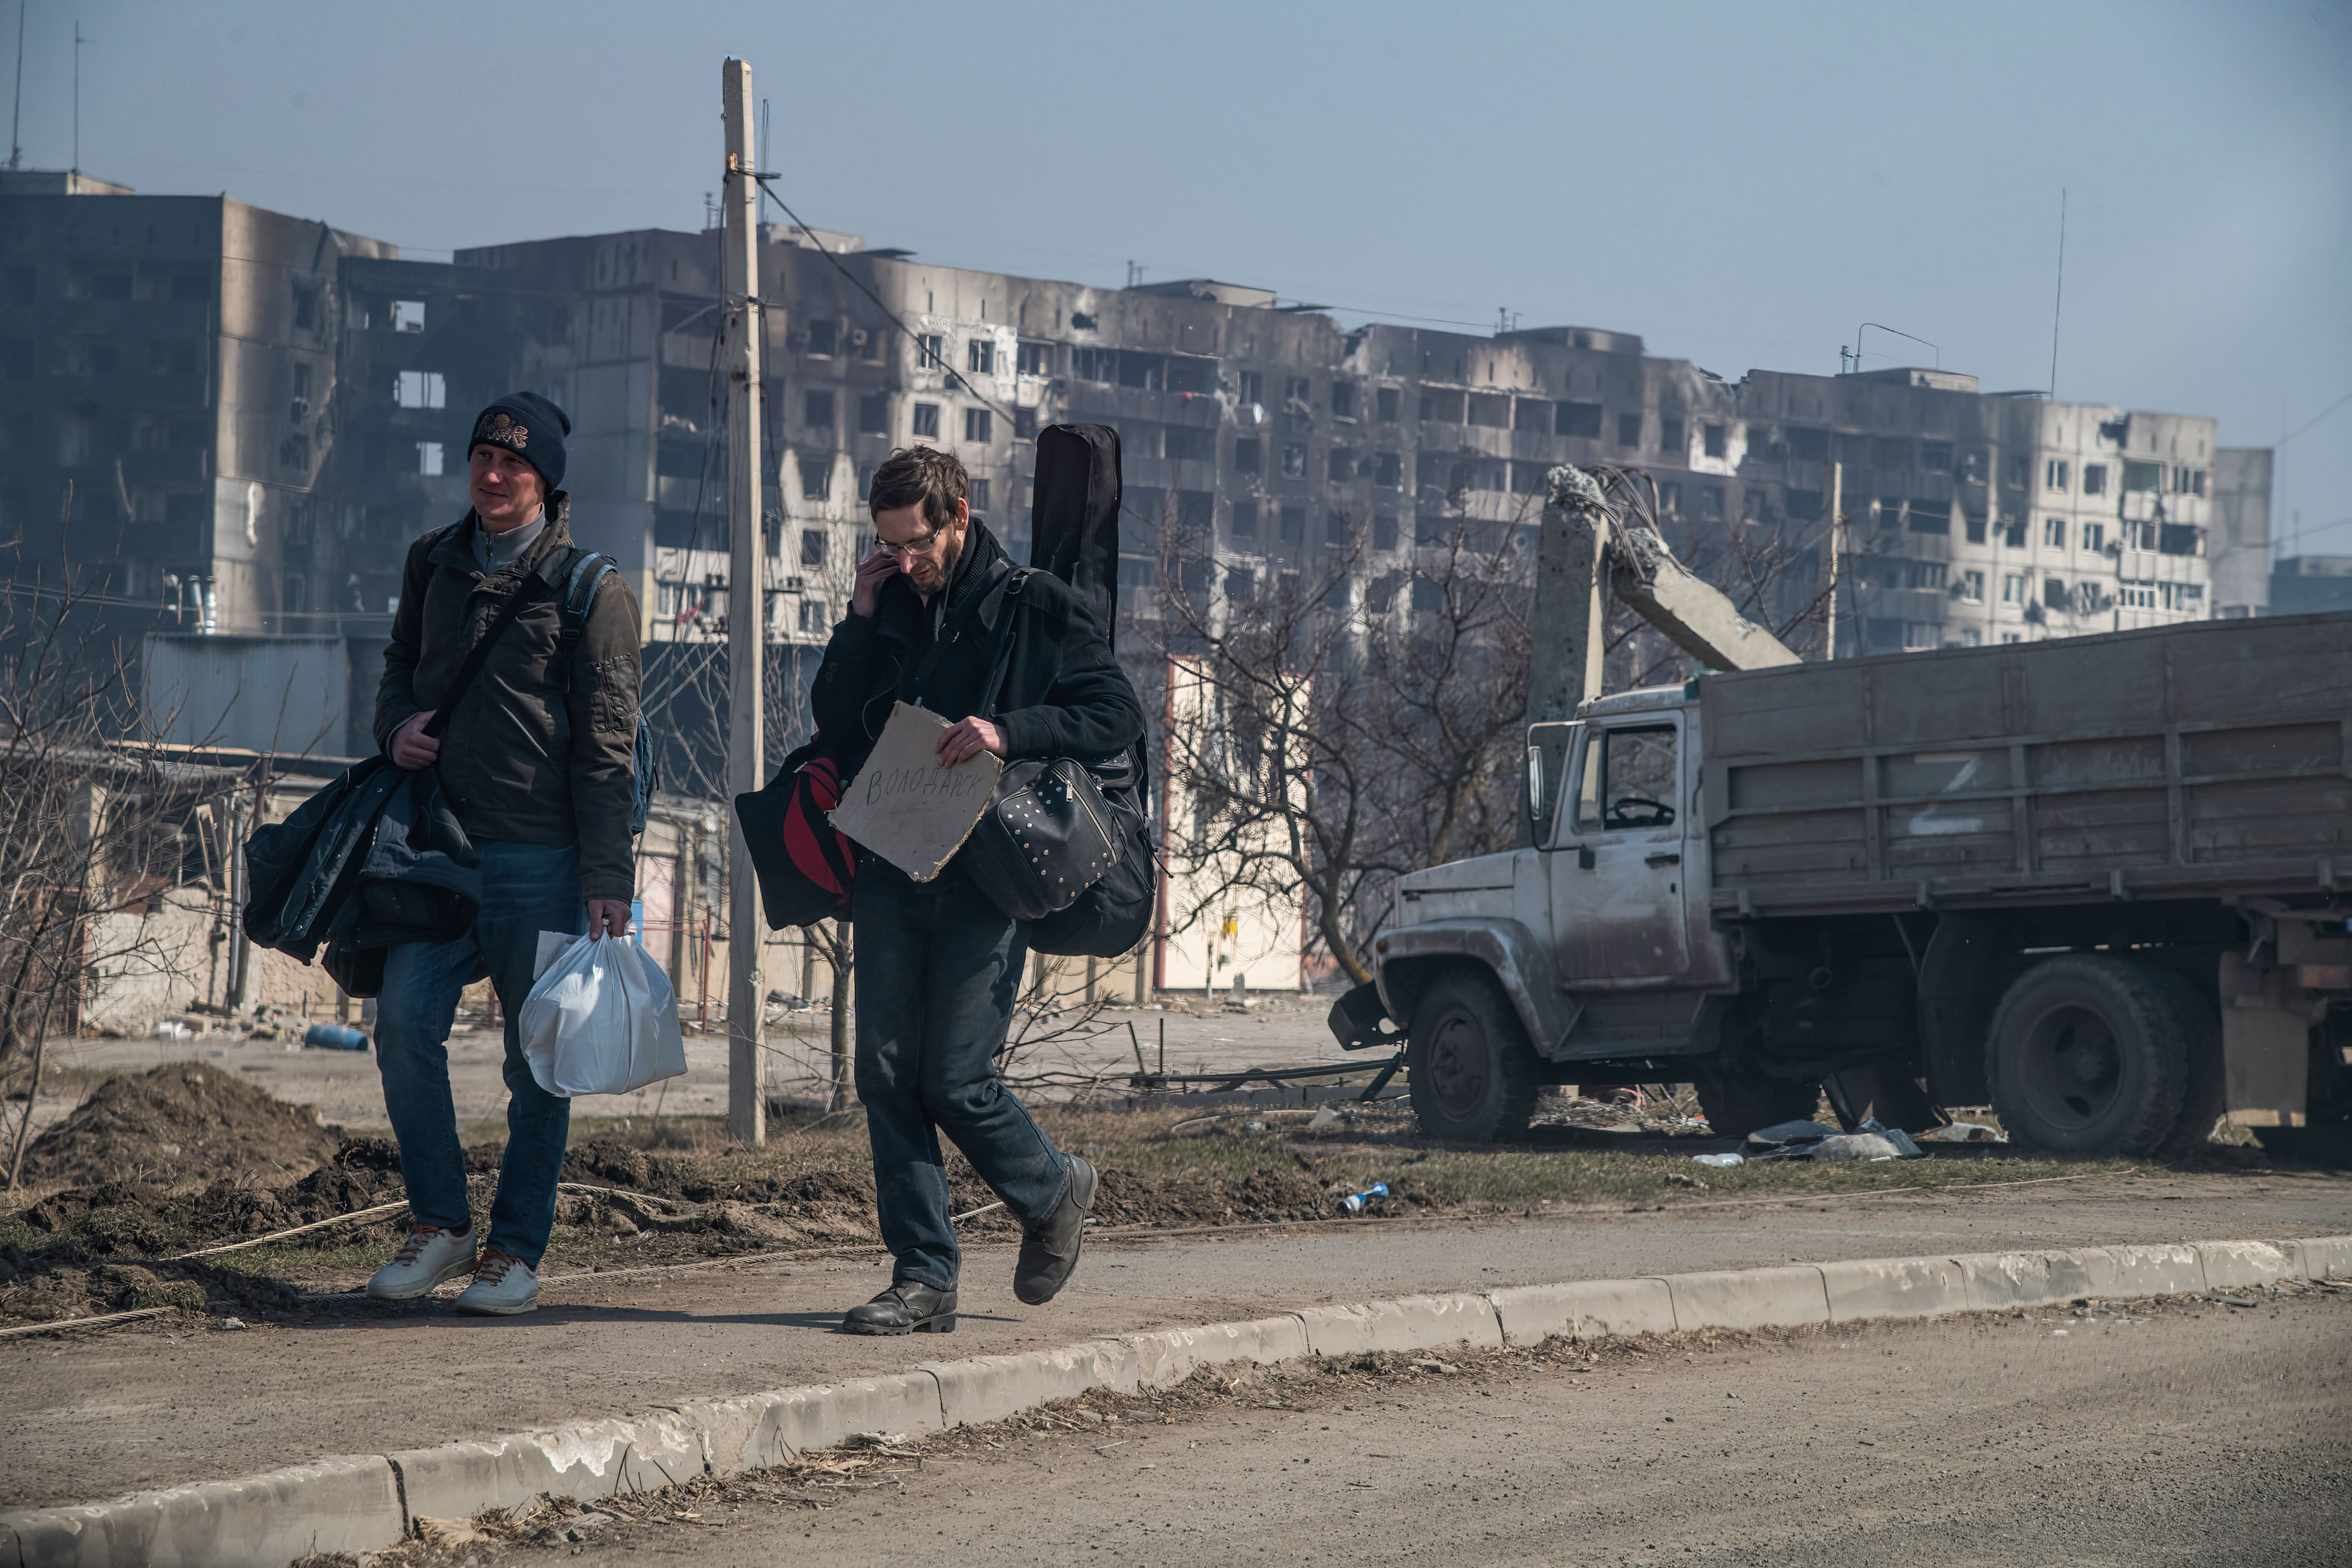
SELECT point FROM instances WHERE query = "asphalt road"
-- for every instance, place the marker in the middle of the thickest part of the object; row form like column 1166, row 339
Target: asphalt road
column 2196, row 1434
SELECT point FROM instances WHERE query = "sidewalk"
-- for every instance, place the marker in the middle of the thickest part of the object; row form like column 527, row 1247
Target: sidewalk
column 91, row 1417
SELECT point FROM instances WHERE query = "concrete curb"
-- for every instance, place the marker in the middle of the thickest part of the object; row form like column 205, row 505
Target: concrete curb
column 369, row 1502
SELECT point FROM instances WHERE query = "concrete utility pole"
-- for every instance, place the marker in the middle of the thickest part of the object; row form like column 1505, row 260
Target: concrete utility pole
column 747, row 998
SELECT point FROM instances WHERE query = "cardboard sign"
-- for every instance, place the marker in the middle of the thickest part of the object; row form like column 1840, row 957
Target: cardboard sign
column 907, row 808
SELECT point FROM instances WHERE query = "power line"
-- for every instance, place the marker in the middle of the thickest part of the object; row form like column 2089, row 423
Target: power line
column 2312, row 421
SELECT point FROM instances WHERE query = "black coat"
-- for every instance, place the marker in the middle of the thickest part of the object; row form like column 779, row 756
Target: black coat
column 1064, row 693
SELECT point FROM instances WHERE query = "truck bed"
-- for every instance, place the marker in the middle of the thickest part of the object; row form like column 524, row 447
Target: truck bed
column 2180, row 762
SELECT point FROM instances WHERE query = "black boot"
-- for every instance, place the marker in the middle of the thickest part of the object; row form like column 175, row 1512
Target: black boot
column 1049, row 1253
column 906, row 1308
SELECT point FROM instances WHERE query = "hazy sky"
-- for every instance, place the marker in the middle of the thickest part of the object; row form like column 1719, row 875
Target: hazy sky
column 1741, row 183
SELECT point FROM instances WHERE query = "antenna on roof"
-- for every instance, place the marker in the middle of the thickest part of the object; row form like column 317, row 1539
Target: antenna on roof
column 17, row 115
column 2058, row 305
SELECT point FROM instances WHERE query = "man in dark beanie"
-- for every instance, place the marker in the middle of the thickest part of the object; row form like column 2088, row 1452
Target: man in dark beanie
column 536, row 759
column 938, row 965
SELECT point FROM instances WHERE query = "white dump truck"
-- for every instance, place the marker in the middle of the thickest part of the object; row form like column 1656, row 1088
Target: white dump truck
column 2100, row 882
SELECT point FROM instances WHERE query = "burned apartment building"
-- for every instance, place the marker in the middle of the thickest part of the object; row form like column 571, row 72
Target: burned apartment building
column 242, row 418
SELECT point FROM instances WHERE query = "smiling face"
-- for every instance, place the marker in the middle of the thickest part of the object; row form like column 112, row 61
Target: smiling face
column 926, row 555
column 508, row 492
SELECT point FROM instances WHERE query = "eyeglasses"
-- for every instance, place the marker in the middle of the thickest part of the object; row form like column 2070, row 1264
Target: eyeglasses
column 907, row 552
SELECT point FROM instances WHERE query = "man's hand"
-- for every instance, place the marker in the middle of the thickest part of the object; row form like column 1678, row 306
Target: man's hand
column 412, row 747
column 878, row 568
column 969, row 738
column 608, row 917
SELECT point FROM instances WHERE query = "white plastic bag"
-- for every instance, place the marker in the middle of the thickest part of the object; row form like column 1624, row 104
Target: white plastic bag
column 601, row 1019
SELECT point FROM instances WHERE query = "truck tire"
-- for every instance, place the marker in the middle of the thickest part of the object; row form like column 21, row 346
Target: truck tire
column 1468, row 1062
column 2089, row 1055
column 2204, row 1090
column 1738, row 1103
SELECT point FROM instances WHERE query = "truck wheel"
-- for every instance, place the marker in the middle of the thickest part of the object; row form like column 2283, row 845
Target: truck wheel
column 1468, row 1063
column 1738, row 1103
column 2204, row 1090
column 2089, row 1055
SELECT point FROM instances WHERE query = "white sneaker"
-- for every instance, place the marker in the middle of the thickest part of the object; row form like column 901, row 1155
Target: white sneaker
column 502, row 1285
column 429, row 1256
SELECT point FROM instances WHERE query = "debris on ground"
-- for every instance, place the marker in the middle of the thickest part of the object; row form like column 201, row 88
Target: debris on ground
column 1853, row 1146
column 1964, row 1132
column 1354, row 1202
column 183, row 1121
column 1720, row 1162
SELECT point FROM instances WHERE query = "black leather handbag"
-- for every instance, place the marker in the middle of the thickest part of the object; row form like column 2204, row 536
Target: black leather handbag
column 1052, row 836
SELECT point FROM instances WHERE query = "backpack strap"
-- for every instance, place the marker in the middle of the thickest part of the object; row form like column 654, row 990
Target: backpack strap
column 1001, row 659
column 589, row 569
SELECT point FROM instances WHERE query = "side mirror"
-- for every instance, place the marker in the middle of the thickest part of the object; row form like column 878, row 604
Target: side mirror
column 1550, row 747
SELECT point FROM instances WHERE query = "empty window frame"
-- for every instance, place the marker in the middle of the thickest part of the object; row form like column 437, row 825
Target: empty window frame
column 1293, row 461
column 1579, row 419
column 1249, row 455
column 980, row 356
column 816, row 408
column 874, row 414
column 816, row 477
column 420, row 389
column 1387, row 404
column 926, row 420
column 1672, row 439
column 1712, row 441
column 1628, row 430
column 823, row 339
column 2054, row 533
column 2055, row 474
column 811, row 547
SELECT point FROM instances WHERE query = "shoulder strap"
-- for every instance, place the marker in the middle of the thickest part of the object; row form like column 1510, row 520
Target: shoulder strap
column 1001, row 659
column 589, row 569
column 476, row 659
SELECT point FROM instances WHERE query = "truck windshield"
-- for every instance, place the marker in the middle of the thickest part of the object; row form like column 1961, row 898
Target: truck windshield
column 1628, row 779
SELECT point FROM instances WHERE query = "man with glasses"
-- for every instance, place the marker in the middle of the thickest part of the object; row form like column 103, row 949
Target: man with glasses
column 938, row 965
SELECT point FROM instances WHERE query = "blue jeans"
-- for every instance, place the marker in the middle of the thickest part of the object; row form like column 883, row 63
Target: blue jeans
column 939, row 967
column 526, row 888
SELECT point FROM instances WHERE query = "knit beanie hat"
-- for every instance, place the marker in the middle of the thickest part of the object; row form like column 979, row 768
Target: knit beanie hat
column 531, row 428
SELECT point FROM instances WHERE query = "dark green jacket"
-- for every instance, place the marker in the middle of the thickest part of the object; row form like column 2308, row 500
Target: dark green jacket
column 533, row 753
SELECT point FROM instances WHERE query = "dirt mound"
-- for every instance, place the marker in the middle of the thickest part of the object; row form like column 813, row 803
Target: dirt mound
column 180, row 1124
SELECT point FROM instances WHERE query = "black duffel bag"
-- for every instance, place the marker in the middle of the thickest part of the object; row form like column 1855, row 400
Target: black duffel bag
column 1055, row 848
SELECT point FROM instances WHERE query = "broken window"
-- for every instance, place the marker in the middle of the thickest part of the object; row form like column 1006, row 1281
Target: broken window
column 2054, row 474
column 1145, row 372
column 1935, row 457
column 2053, row 594
column 823, row 339
column 1335, row 528
column 420, row 389
column 1379, row 593
column 1532, row 414
column 1384, row 530
column 816, row 408
column 1293, row 524
column 1191, row 375
column 874, row 414
column 1931, row 516
column 1808, row 444
column 1024, row 424
column 1250, row 386
column 1428, row 598
column 1491, row 409
column 2012, row 532
column 1975, row 525
column 1972, row 587
column 165, row 357
column 1189, row 443
column 429, row 459
column 980, row 356
column 1671, row 439
column 1802, row 506
column 1249, row 455
column 1343, row 400
column 930, row 351
column 1298, row 393
column 1341, row 465
column 1582, row 419
column 1441, row 406
column 294, row 452
column 1669, row 497
column 1890, row 452
column 1629, row 429
column 979, row 424
column 1241, row 584
column 1388, row 471
column 2139, row 476
column 1033, row 359
column 1529, row 478
column 926, row 420
column 2054, row 533
column 2095, row 479
column 1972, row 468
column 976, row 497
column 408, row 315
column 2012, row 588
column 305, row 308
column 2180, row 539
column 2016, row 474
column 1387, row 402
column 1095, row 364
column 2094, row 536
column 1243, row 523
column 1710, row 500
column 811, row 547
column 816, row 477
column 1293, row 461
column 1711, row 440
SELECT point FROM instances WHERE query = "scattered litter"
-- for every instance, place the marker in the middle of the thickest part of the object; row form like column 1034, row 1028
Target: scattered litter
column 448, row 1532
column 334, row 1037
column 1354, row 1202
column 1253, row 1126
column 1324, row 1117
column 1853, row 1146
column 172, row 1029
column 1964, row 1132
column 2057, row 1333
column 1785, row 1132
column 2228, row 1301
column 1676, row 1179
column 1904, row 1148
column 1431, row 1363
column 232, row 1322
column 1719, row 1161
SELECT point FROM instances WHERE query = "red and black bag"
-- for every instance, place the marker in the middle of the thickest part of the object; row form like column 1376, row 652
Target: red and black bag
column 805, row 866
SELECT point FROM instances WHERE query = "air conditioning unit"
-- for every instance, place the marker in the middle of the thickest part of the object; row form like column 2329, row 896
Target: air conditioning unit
column 857, row 337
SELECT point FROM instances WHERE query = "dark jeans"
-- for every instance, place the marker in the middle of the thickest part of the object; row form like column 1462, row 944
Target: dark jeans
column 526, row 888
column 939, row 967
